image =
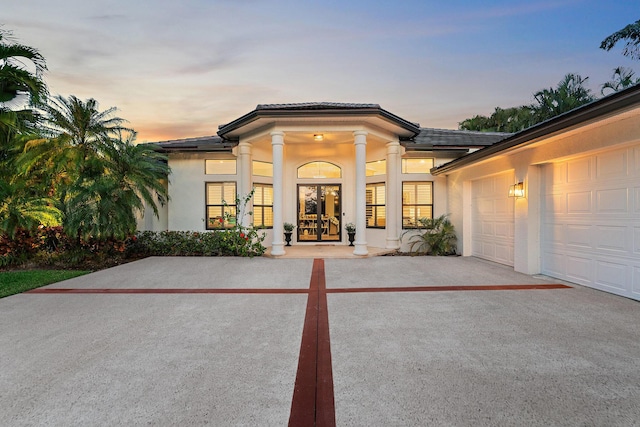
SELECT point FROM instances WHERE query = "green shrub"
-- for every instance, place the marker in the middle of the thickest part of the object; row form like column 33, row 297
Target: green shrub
column 435, row 236
column 193, row 243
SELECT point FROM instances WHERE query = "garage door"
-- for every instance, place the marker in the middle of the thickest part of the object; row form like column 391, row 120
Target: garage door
column 591, row 221
column 492, row 213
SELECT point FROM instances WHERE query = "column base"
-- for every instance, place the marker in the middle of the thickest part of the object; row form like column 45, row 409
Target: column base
column 277, row 249
column 392, row 244
column 361, row 249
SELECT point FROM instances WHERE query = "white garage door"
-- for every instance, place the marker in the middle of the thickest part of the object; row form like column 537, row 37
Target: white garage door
column 492, row 213
column 591, row 221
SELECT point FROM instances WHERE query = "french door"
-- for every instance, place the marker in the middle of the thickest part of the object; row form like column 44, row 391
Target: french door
column 319, row 213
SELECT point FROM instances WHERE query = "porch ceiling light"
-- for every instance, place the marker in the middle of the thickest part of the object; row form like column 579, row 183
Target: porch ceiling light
column 318, row 137
column 516, row 190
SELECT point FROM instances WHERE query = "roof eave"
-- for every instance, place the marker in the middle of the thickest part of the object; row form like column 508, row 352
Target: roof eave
column 580, row 115
column 250, row 117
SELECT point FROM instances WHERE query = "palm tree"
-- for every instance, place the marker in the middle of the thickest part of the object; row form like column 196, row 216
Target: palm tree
column 107, row 206
column 630, row 33
column 570, row 93
column 20, row 207
column 20, row 84
column 622, row 78
column 22, row 204
column 79, row 126
column 101, row 179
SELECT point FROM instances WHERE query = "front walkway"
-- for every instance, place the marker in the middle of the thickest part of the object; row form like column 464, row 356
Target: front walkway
column 397, row 341
column 328, row 251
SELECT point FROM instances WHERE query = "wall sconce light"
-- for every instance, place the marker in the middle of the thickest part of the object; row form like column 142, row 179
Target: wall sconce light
column 318, row 137
column 516, row 190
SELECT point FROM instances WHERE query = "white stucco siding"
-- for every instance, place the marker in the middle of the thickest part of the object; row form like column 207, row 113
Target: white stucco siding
column 187, row 191
column 591, row 221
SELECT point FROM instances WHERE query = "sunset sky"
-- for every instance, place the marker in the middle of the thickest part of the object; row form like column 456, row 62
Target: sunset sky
column 178, row 69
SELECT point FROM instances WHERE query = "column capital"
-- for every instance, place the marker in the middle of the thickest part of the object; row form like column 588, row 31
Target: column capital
column 244, row 148
column 360, row 133
column 277, row 137
column 393, row 147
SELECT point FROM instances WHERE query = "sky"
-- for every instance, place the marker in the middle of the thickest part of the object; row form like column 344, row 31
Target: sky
column 179, row 69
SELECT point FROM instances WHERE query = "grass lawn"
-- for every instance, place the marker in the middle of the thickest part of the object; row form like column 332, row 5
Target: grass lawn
column 15, row 282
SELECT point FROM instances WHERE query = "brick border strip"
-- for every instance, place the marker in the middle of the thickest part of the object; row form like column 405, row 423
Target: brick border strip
column 313, row 400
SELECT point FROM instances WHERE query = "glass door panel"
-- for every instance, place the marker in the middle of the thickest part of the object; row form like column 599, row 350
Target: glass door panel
column 330, row 211
column 307, row 213
column 319, row 213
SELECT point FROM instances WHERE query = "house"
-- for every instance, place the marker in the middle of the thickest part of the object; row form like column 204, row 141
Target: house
column 560, row 198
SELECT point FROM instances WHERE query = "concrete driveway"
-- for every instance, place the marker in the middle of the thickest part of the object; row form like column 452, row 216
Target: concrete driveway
column 386, row 341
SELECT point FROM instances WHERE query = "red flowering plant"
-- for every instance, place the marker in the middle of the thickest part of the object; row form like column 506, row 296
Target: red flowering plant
column 243, row 240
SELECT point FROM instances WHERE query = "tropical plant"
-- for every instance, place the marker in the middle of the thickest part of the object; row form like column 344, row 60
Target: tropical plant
column 630, row 33
column 508, row 120
column 21, row 208
column 570, row 93
column 433, row 236
column 21, row 84
column 288, row 227
column 622, row 78
column 100, row 177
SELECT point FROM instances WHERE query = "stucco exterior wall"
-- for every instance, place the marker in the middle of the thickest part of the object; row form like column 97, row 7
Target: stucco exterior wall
column 526, row 163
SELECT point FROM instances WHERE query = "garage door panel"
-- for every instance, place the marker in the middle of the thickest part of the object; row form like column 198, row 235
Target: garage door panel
column 611, row 164
column 504, row 230
column 612, row 238
column 556, row 173
column 578, row 236
column 493, row 224
column 486, row 206
column 579, row 202
column 555, row 264
column 555, row 203
column 636, row 280
column 553, row 233
column 611, row 275
column 504, row 254
column 596, row 240
column 488, row 229
column 579, row 268
column 613, row 200
column 635, row 166
column 579, row 170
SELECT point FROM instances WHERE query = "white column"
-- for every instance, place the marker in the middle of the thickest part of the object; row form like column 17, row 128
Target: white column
column 277, row 145
column 360, row 141
column 244, row 183
column 393, row 203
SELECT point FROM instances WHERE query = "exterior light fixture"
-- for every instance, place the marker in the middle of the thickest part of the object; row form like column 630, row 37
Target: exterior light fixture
column 318, row 137
column 516, row 190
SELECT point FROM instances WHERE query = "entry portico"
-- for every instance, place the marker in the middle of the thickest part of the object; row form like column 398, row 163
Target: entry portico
column 342, row 135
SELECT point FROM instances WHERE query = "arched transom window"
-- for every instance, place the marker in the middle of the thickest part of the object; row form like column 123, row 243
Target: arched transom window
column 319, row 170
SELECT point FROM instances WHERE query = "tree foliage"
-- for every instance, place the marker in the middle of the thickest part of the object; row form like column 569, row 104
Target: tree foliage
column 508, row 120
column 631, row 34
column 622, row 78
column 568, row 94
column 101, row 178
